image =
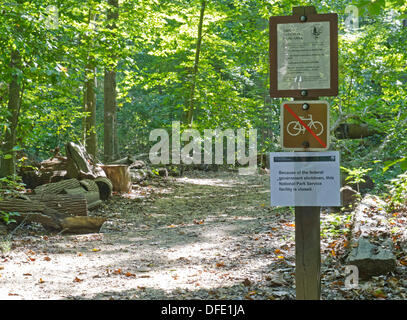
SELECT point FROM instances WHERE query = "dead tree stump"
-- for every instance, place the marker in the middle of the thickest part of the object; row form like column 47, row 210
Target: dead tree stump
column 80, row 164
column 120, row 177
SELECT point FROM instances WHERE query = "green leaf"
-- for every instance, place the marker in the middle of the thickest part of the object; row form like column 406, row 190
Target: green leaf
column 402, row 162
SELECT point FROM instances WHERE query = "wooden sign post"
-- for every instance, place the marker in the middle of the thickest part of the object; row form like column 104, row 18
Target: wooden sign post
column 304, row 66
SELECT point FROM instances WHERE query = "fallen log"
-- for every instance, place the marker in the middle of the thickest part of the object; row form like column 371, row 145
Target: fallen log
column 127, row 161
column 120, row 177
column 131, row 162
column 47, row 171
column 92, row 197
column 94, row 204
column 64, row 204
column 74, row 204
column 79, row 225
column 354, row 131
column 371, row 244
column 57, row 187
column 35, row 178
column 63, row 224
column 58, row 176
column 138, row 164
column 88, row 188
column 35, row 211
column 56, row 163
column 89, row 185
column 21, row 205
column 138, row 175
column 105, row 187
column 47, row 221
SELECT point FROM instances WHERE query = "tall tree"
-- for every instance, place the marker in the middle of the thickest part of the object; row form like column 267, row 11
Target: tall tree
column 89, row 99
column 191, row 108
column 110, row 93
column 25, row 45
column 7, row 166
column 90, row 109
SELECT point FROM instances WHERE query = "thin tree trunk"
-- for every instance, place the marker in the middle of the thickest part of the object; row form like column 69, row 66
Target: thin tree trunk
column 110, row 104
column 7, row 165
column 191, row 108
column 90, row 108
column 109, row 114
column 116, row 154
column 89, row 124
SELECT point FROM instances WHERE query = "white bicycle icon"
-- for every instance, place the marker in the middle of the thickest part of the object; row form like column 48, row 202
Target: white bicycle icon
column 294, row 128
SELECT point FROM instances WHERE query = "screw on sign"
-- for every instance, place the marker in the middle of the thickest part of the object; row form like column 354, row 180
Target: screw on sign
column 305, row 125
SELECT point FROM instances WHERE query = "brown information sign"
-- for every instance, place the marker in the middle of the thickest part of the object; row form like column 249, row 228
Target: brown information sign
column 305, row 125
column 304, row 55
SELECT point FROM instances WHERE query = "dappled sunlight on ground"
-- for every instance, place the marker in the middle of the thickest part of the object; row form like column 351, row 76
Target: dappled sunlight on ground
column 209, row 236
column 206, row 182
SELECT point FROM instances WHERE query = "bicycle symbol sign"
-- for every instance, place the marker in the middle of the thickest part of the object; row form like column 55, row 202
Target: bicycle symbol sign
column 305, row 125
column 294, row 128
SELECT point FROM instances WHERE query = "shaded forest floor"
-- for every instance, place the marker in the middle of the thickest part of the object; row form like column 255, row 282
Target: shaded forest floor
column 202, row 236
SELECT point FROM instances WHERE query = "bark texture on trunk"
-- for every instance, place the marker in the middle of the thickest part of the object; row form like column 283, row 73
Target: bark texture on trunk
column 7, row 164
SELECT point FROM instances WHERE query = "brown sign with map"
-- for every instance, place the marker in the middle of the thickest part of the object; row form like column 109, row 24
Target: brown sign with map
column 304, row 56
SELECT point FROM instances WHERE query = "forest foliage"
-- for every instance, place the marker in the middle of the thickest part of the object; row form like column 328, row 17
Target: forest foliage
column 48, row 45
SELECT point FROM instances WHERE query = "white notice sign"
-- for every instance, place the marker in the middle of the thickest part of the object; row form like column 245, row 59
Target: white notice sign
column 303, row 56
column 305, row 179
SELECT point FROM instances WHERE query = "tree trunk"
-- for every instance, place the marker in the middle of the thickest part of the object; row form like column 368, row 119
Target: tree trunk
column 109, row 114
column 90, row 109
column 110, row 104
column 116, row 154
column 7, row 165
column 191, row 108
column 120, row 177
column 89, row 98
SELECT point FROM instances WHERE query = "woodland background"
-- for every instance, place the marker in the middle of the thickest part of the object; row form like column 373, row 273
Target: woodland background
column 106, row 73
